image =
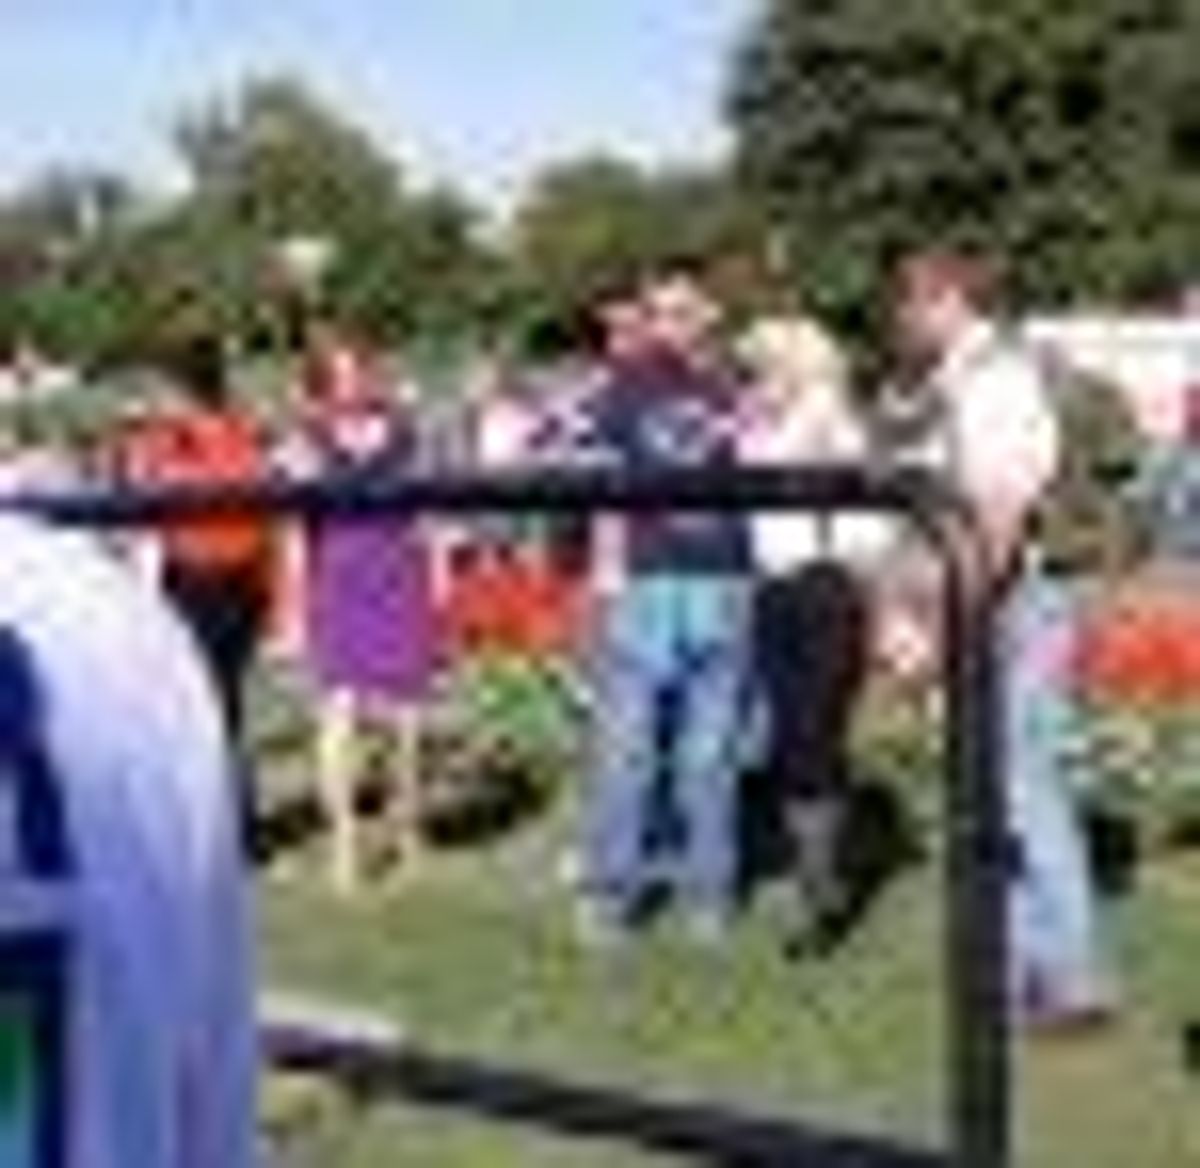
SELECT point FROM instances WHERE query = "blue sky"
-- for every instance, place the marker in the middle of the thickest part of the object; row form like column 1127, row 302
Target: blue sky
column 476, row 91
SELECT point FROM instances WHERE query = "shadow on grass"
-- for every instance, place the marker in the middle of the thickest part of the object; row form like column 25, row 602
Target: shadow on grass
column 496, row 802
column 708, row 1136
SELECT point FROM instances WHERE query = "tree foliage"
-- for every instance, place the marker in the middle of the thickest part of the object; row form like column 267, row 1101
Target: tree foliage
column 102, row 275
column 1062, row 137
column 591, row 222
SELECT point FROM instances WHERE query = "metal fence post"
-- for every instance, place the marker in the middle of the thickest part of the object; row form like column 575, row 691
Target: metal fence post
column 978, row 861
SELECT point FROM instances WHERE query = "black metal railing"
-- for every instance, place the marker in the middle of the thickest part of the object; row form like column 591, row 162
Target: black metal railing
column 978, row 1055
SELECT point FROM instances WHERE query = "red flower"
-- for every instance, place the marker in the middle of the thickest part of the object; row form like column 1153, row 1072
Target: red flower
column 513, row 603
column 1142, row 647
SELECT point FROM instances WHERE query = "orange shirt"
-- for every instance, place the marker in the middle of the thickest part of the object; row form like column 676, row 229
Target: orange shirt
column 195, row 447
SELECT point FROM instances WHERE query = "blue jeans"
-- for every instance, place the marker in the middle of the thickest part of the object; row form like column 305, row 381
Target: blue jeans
column 1056, row 961
column 671, row 655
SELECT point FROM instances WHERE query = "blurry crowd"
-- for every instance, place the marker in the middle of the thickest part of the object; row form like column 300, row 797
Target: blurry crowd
column 711, row 645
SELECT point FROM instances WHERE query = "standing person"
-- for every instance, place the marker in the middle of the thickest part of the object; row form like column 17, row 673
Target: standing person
column 1001, row 443
column 370, row 598
column 671, row 626
column 812, row 615
column 216, row 569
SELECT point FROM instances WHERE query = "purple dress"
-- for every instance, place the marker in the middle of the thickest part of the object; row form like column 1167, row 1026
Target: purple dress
column 371, row 617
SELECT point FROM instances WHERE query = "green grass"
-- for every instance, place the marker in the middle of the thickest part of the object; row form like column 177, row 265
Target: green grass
column 476, row 957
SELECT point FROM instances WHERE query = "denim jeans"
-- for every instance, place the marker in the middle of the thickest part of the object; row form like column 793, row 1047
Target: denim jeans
column 1056, row 960
column 670, row 677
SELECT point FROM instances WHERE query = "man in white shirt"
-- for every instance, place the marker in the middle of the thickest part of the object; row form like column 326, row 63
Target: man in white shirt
column 998, row 439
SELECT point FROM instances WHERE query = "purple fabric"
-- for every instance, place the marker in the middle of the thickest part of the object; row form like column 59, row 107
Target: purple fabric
column 370, row 607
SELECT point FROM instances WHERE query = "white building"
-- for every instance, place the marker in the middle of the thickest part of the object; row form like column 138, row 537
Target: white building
column 1155, row 360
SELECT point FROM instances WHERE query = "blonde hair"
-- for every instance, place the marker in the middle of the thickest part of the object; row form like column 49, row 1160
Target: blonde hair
column 795, row 355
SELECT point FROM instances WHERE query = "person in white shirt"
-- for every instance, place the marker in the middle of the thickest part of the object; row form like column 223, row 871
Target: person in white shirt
column 101, row 679
column 998, row 440
column 799, row 412
column 812, row 613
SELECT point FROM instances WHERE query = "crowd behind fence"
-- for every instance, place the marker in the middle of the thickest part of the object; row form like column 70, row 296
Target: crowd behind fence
column 690, row 533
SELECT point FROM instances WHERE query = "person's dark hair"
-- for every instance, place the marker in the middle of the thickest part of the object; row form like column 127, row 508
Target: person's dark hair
column 197, row 366
column 592, row 327
column 975, row 278
column 679, row 265
column 587, row 333
column 550, row 338
column 612, row 291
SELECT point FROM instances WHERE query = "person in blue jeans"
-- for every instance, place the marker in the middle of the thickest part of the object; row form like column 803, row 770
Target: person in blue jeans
column 669, row 659
column 1052, row 915
column 998, row 439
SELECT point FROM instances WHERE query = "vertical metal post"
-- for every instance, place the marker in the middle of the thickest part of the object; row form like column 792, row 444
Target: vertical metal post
column 978, row 867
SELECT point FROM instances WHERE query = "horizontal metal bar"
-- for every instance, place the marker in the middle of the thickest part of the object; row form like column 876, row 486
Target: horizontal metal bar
column 544, row 489
column 709, row 1133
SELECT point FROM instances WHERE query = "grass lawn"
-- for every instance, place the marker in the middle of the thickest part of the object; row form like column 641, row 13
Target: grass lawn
column 475, row 958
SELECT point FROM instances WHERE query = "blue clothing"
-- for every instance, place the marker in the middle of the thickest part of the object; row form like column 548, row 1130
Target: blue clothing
column 670, row 649
column 661, row 413
column 1166, row 493
column 163, row 1053
column 1056, row 958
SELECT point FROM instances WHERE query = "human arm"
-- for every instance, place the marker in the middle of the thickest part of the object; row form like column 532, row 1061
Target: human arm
column 1007, row 453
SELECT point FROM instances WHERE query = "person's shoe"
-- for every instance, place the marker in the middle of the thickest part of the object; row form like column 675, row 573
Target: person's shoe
column 345, row 875
column 569, row 871
column 1191, row 1047
column 601, row 928
column 706, row 927
column 820, row 932
column 1077, row 1022
column 1042, row 1016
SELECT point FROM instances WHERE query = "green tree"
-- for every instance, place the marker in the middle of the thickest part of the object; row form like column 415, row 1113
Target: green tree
column 588, row 222
column 1062, row 137
column 103, row 274
column 278, row 163
column 47, row 228
column 581, row 225
column 282, row 163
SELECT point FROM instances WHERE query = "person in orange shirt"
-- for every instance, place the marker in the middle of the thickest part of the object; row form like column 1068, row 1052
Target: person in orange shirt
column 217, row 569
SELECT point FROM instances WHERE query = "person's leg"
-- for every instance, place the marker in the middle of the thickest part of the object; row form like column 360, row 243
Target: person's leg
column 769, row 697
column 631, row 642
column 223, row 611
column 822, row 645
column 407, row 803
column 201, row 605
column 711, row 679
column 1057, row 968
column 244, row 608
column 337, row 766
column 239, row 613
